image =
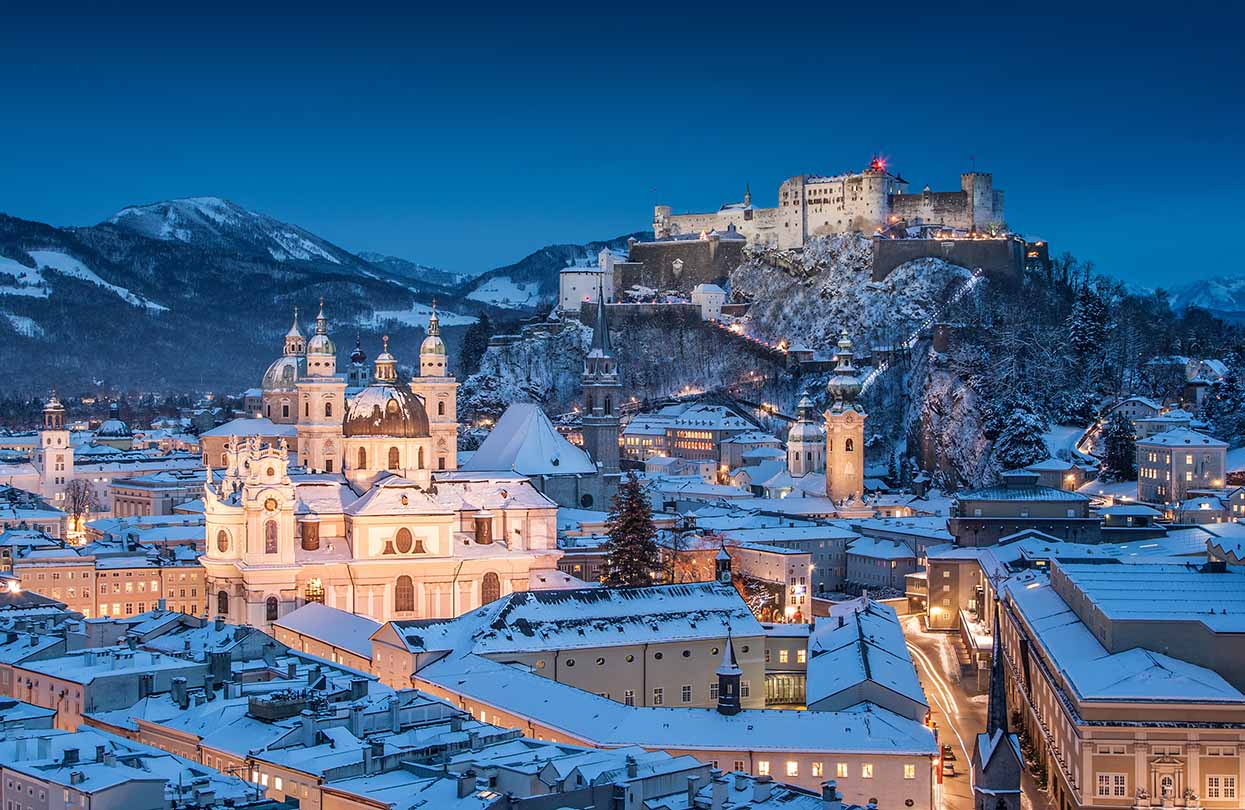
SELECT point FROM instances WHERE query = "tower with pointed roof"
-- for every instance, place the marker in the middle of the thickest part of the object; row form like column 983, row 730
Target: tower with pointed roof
column 602, row 395
column 357, row 373
column 806, row 442
column 54, row 457
column 729, row 676
column 321, row 403
column 295, row 344
column 845, row 429
column 438, row 389
column 997, row 762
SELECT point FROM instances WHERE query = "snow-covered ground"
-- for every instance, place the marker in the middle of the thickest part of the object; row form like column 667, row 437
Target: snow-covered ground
column 70, row 266
column 23, row 325
column 1061, row 441
column 417, row 315
column 503, row 291
column 32, row 282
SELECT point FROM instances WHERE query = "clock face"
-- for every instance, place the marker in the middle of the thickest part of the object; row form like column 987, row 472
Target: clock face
column 271, row 504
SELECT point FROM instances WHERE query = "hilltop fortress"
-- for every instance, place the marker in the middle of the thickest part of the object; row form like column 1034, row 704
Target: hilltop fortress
column 866, row 202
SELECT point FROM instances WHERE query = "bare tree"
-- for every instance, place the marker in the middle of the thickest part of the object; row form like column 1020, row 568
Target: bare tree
column 80, row 501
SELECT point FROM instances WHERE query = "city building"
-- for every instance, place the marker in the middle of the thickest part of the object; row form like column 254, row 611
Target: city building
column 986, row 515
column 1171, row 463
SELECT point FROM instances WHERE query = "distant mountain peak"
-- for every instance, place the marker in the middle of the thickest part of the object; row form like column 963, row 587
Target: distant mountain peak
column 1223, row 294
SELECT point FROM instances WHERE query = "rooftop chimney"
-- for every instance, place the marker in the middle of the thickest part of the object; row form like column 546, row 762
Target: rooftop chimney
column 358, row 688
column 830, row 798
column 307, row 724
column 762, row 788
column 693, row 782
column 718, row 788
column 466, row 783
column 633, row 768
column 71, row 756
column 220, row 623
column 99, row 753
column 180, row 696
column 356, row 720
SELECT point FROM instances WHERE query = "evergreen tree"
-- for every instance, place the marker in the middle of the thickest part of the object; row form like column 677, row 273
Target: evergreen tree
column 1224, row 409
column 631, row 554
column 1020, row 441
column 1087, row 325
column 475, row 341
column 1120, row 461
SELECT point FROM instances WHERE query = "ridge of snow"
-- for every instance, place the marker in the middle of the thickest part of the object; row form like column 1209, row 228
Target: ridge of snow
column 68, row 265
column 503, row 291
column 417, row 315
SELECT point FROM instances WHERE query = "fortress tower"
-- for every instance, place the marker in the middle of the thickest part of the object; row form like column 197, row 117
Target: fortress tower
column 845, row 429
column 602, row 396
column 439, row 391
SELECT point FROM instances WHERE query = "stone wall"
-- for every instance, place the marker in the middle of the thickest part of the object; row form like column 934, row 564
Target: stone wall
column 704, row 261
column 1001, row 259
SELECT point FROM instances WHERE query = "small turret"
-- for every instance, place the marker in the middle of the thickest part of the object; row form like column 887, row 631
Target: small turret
column 729, row 675
column 53, row 413
column 844, row 385
column 386, row 364
column 432, row 350
column 294, row 341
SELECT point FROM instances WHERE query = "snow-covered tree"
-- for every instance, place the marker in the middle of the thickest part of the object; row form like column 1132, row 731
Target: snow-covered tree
column 1120, row 461
column 631, row 554
column 1224, row 409
column 1087, row 325
column 80, row 501
column 1020, row 441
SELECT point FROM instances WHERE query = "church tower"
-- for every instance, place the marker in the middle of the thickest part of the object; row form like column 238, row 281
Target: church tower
column 806, row 442
column 729, row 675
column 439, row 391
column 295, row 345
column 997, row 762
column 54, row 458
column 602, row 395
column 845, row 429
column 321, row 403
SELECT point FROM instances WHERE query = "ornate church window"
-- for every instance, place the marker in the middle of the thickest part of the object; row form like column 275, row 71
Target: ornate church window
column 404, row 595
column 393, row 458
column 270, row 608
column 313, row 591
column 847, row 446
column 222, row 603
column 328, row 409
column 440, row 409
column 270, row 537
column 490, row 588
column 222, row 541
column 362, row 465
column 406, row 543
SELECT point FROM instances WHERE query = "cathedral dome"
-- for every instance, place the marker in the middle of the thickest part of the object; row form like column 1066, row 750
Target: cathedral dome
column 114, row 429
column 284, row 372
column 382, row 409
column 806, row 428
column 433, row 344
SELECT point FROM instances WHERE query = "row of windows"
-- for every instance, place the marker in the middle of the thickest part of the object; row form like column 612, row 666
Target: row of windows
column 1115, row 786
column 657, row 656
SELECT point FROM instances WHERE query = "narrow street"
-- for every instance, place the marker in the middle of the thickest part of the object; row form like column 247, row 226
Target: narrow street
column 959, row 710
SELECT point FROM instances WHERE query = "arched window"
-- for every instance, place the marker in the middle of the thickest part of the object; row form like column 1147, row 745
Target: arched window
column 270, row 537
column 362, row 465
column 490, row 588
column 440, row 409
column 404, row 595
column 847, row 446
column 270, row 608
column 307, row 408
column 222, row 603
column 285, row 410
column 222, row 541
column 609, row 405
column 403, row 542
column 421, row 458
column 328, row 409
column 393, row 458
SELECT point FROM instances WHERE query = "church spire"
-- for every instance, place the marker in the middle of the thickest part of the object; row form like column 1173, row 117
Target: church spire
column 322, row 323
column 294, row 337
column 434, row 322
column 601, row 329
column 996, row 714
column 747, row 194
column 729, row 675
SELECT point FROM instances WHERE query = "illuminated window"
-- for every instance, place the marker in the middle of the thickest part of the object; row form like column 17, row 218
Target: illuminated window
column 816, row 769
column 270, row 537
column 909, row 772
column 314, row 591
column 763, row 767
column 840, row 770
column 404, row 594
column 866, row 770
column 793, row 768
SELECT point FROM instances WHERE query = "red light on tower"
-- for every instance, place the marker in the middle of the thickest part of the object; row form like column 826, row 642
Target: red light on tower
column 877, row 164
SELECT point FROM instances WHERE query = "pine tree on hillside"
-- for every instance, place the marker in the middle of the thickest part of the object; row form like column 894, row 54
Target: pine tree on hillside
column 1087, row 325
column 475, row 341
column 1120, row 461
column 1224, row 409
column 631, row 554
column 1020, row 441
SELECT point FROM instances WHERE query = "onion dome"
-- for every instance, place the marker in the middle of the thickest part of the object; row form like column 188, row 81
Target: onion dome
column 433, row 344
column 320, row 343
column 806, row 428
column 386, row 409
column 844, row 385
column 357, row 356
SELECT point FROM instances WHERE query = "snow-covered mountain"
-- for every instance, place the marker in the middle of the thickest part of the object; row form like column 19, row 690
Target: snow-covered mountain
column 419, row 273
column 217, row 224
column 1223, row 296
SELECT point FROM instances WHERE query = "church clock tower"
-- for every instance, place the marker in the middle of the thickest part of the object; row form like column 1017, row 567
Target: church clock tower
column 602, row 395
column 321, row 403
column 439, row 391
column 845, row 430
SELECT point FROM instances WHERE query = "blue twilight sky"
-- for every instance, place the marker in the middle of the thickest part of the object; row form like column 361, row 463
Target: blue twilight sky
column 467, row 135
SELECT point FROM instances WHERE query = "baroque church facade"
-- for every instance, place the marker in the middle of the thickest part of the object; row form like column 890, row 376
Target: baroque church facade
column 375, row 518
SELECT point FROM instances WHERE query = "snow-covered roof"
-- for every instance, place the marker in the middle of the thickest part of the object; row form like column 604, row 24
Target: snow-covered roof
column 1181, row 437
column 864, row 644
column 257, row 426
column 878, row 549
column 347, row 631
column 526, row 442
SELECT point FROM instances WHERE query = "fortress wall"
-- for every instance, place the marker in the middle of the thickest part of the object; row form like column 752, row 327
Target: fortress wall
column 1001, row 259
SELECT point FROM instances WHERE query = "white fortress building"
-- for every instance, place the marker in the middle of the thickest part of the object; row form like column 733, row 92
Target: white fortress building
column 815, row 205
column 378, row 522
